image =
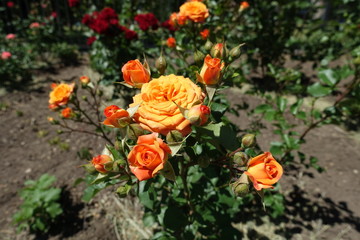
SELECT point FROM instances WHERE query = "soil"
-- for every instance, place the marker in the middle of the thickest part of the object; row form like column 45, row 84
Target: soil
column 318, row 205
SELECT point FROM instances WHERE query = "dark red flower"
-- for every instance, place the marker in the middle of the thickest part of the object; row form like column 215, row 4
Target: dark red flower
column 146, row 21
column 90, row 40
column 54, row 14
column 10, row 4
column 130, row 34
column 73, row 3
column 104, row 22
column 168, row 25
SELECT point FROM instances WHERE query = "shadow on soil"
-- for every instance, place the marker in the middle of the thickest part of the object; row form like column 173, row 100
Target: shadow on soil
column 69, row 223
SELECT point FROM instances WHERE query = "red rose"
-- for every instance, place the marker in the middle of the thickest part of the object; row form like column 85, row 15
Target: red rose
column 130, row 34
column 73, row 3
column 146, row 21
column 10, row 4
column 90, row 40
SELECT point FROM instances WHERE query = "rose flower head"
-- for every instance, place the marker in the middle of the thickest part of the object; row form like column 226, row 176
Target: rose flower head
column 160, row 100
column 243, row 5
column 195, row 11
column 147, row 21
column 205, row 34
column 135, row 73
column 99, row 161
column 264, row 171
column 67, row 113
column 116, row 117
column 61, row 93
column 210, row 73
column 171, row 42
column 84, row 80
column 5, row 55
column 148, row 156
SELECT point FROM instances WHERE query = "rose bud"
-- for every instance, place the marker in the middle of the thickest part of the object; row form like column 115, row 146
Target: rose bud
column 240, row 158
column 236, row 51
column 161, row 64
column 218, row 50
column 208, row 45
column 110, row 110
column 174, row 136
column 243, row 5
column 99, row 162
column 211, row 71
column 248, row 140
column 134, row 131
column 119, row 119
column 135, row 74
column 67, row 113
column 171, row 42
column 241, row 186
column 198, row 115
column 264, row 171
column 199, row 57
column 148, row 157
column 84, row 80
column 204, row 34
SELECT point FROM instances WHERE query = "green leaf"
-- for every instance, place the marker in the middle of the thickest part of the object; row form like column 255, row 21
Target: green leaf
column 327, row 76
column 52, row 194
column 168, row 171
column 54, row 210
column 276, row 148
column 45, row 181
column 262, row 108
column 123, row 191
column 317, row 90
column 294, row 108
column 281, row 103
column 174, row 218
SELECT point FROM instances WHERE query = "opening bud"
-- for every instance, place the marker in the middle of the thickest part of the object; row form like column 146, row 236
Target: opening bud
column 218, row 50
column 241, row 186
column 198, row 115
column 248, row 140
column 161, row 64
column 174, row 136
column 240, row 159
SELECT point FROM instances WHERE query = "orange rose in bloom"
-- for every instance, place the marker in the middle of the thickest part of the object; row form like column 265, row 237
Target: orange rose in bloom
column 195, row 11
column 244, row 5
column 264, row 171
column 67, row 112
column 148, row 157
column 84, row 79
column 198, row 115
column 158, row 112
column 116, row 117
column 205, row 34
column 171, row 42
column 99, row 162
column 61, row 93
column 135, row 74
column 211, row 71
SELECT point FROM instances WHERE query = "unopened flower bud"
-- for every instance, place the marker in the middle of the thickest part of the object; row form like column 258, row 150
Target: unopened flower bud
column 208, row 45
column 240, row 158
column 198, row 115
column 203, row 161
column 134, row 131
column 248, row 140
column 235, row 52
column 199, row 57
column 123, row 191
column 89, row 168
column 241, row 186
column 84, row 80
column 161, row 64
column 174, row 136
column 218, row 50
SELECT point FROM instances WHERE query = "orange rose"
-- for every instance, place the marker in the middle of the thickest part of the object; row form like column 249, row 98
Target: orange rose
column 171, row 42
column 135, row 74
column 99, row 162
column 148, row 157
column 198, row 115
column 84, row 79
column 67, row 112
column 181, row 19
column 158, row 112
column 264, row 171
column 61, row 93
column 205, row 34
column 116, row 117
column 211, row 71
column 195, row 11
column 244, row 5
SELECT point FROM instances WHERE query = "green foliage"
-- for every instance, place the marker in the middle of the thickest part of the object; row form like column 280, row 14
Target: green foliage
column 40, row 205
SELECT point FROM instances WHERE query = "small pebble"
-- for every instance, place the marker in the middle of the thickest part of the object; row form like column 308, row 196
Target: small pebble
column 28, row 170
column 355, row 171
